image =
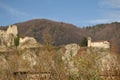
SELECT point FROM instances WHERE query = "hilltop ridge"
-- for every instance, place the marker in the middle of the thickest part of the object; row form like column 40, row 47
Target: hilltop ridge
column 62, row 33
column 65, row 33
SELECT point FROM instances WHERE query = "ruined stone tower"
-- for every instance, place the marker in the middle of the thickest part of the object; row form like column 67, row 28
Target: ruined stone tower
column 12, row 30
column 7, row 37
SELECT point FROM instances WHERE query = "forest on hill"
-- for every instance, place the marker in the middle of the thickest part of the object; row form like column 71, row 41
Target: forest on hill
column 64, row 33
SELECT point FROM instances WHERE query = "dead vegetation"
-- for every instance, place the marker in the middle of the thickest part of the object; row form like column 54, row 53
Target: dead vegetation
column 47, row 63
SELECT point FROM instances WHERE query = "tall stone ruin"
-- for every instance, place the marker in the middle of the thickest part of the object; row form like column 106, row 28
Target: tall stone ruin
column 7, row 37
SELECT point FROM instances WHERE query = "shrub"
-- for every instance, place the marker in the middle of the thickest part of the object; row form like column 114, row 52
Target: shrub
column 16, row 41
column 83, row 42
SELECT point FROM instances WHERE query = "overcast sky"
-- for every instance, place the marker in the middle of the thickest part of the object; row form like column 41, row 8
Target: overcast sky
column 78, row 12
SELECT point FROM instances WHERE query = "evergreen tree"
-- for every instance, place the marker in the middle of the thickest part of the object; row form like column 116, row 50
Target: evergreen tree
column 16, row 41
column 83, row 42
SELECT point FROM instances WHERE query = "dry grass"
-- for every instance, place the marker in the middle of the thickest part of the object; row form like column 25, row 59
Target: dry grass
column 50, row 66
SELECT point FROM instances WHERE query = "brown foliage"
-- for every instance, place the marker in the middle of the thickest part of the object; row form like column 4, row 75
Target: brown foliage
column 63, row 33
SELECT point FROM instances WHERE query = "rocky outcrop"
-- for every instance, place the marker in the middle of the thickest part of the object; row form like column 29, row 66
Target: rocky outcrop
column 108, row 62
column 22, row 40
column 71, row 51
column 27, row 60
column 3, row 63
column 28, row 42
